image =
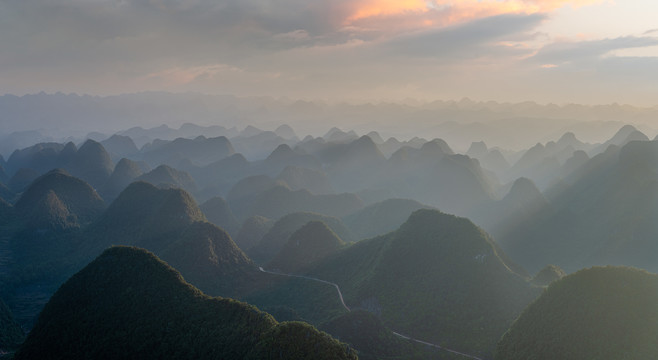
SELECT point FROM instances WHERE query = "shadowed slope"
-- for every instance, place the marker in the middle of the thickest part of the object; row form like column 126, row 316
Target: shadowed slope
column 598, row 313
column 128, row 304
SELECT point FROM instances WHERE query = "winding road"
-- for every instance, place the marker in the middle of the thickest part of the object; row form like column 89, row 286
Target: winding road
column 342, row 301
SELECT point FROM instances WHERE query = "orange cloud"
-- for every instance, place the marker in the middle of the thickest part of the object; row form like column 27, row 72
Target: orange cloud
column 369, row 8
column 446, row 12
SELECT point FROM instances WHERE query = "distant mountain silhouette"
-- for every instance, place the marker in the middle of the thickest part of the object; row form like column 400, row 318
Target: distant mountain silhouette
column 261, row 195
column 126, row 289
column 120, row 146
column 40, row 157
column 597, row 313
column 125, row 172
column 382, row 217
column 253, row 229
column 219, row 213
column 91, row 163
column 626, row 134
column 284, row 156
column 164, row 175
column 285, row 131
column 22, row 179
column 200, row 150
column 278, row 235
column 258, row 144
column 298, row 178
column 603, row 213
column 438, row 277
column 306, row 246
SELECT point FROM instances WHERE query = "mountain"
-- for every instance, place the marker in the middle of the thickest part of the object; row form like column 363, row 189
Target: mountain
column 626, row 134
column 306, row 246
column 477, row 149
column 125, row 172
column 263, row 196
column 4, row 178
column 381, row 218
column 220, row 176
column 200, row 150
column 597, row 313
column 259, row 145
column 39, row 157
column 547, row 275
column 61, row 198
column 168, row 176
column 142, row 215
column 218, row 212
column 284, row 156
column 209, row 259
column 120, row 146
column 11, row 334
column 253, row 229
column 298, row 178
column 22, row 179
column 91, row 163
column 603, row 214
column 276, row 238
column 438, row 278
column 129, row 304
column 285, row 131
column 169, row 223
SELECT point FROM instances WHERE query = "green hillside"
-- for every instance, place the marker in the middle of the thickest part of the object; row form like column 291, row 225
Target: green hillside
column 438, row 278
column 306, row 246
column 128, row 304
column 599, row 313
column 277, row 236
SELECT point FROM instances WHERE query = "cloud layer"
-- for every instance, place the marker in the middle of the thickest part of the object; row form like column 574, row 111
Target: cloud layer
column 337, row 48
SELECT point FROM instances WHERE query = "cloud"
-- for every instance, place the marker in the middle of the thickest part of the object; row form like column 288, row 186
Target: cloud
column 578, row 51
column 466, row 40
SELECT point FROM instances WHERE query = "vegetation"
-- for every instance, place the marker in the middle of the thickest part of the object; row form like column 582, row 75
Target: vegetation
column 599, row 313
column 306, row 246
column 218, row 212
column 11, row 334
column 366, row 333
column 382, row 217
column 129, row 304
column 438, row 278
column 275, row 239
column 547, row 275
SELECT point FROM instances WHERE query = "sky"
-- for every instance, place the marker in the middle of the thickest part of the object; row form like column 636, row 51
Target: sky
column 549, row 51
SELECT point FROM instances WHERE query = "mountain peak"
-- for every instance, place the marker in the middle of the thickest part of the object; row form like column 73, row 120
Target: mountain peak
column 524, row 191
column 311, row 243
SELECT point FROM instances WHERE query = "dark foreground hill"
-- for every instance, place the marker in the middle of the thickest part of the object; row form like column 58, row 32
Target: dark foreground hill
column 599, row 313
column 11, row 334
column 128, row 304
column 438, row 278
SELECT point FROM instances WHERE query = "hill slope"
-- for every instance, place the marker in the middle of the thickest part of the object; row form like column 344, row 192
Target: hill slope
column 311, row 243
column 438, row 278
column 11, row 334
column 597, row 313
column 128, row 304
